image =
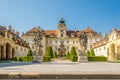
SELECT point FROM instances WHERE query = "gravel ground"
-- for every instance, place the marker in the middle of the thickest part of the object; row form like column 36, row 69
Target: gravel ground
column 63, row 67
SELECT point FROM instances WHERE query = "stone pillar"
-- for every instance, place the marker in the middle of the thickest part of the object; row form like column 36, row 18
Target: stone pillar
column 10, row 53
column 4, row 51
column 115, row 57
column 0, row 52
column 82, row 57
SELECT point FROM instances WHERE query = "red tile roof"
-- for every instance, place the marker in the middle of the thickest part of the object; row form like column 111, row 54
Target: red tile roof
column 69, row 32
column 49, row 32
column 34, row 30
column 88, row 29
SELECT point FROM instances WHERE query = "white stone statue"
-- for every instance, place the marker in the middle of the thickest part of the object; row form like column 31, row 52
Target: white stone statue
column 37, row 57
column 82, row 57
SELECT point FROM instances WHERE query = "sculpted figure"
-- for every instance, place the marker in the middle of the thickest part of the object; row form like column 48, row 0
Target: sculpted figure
column 37, row 40
column 83, row 43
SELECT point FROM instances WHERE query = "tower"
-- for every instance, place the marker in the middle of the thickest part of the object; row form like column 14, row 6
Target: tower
column 62, row 28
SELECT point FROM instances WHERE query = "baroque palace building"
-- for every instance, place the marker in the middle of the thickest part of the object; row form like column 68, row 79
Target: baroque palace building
column 109, row 46
column 60, row 39
column 11, row 45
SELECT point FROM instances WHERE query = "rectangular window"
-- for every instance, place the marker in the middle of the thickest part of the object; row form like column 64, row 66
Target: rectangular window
column 61, row 35
column 21, row 49
column 67, row 41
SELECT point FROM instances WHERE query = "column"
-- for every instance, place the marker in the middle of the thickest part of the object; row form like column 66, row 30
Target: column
column 0, row 51
column 115, row 56
column 4, row 51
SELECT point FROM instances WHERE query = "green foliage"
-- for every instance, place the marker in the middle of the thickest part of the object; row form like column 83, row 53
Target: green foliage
column 29, row 52
column 24, row 58
column 68, row 55
column 73, row 54
column 55, row 55
column 49, row 52
column 90, row 53
column 74, row 58
column 46, row 58
column 97, row 58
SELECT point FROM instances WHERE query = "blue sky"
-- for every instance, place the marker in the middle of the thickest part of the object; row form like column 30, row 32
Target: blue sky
column 100, row 15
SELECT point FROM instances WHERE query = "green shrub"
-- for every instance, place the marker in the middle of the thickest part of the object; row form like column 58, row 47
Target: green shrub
column 73, row 54
column 90, row 53
column 49, row 52
column 74, row 58
column 15, row 59
column 24, row 59
column 55, row 55
column 68, row 55
column 30, row 58
column 97, row 58
column 29, row 52
column 46, row 58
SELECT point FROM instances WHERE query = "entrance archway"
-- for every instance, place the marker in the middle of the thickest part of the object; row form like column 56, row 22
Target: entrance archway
column 7, row 51
column 62, row 50
column 2, row 52
column 112, row 51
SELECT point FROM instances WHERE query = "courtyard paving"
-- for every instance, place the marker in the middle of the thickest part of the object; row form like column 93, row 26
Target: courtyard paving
column 60, row 67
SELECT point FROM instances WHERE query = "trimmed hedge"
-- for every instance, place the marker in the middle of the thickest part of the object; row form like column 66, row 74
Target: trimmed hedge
column 67, row 55
column 55, row 55
column 74, row 58
column 46, row 58
column 97, row 58
column 24, row 58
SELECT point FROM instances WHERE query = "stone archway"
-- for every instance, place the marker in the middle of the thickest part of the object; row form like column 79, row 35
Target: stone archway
column 8, row 51
column 2, row 52
column 112, row 51
column 62, row 50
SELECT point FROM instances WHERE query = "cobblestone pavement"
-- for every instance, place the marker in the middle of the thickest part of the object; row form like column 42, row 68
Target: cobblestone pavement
column 60, row 68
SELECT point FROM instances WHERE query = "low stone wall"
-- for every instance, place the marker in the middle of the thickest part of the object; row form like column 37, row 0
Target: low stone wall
column 59, row 76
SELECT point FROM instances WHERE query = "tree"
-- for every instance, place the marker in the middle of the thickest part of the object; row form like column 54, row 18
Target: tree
column 49, row 52
column 55, row 55
column 29, row 52
column 73, row 52
column 68, row 55
column 88, row 53
column 92, row 52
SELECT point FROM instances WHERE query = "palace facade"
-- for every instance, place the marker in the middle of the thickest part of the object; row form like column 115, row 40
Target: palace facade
column 60, row 39
column 11, row 45
column 109, row 46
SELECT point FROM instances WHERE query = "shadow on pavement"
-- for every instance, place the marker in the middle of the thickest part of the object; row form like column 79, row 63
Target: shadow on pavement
column 17, row 64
